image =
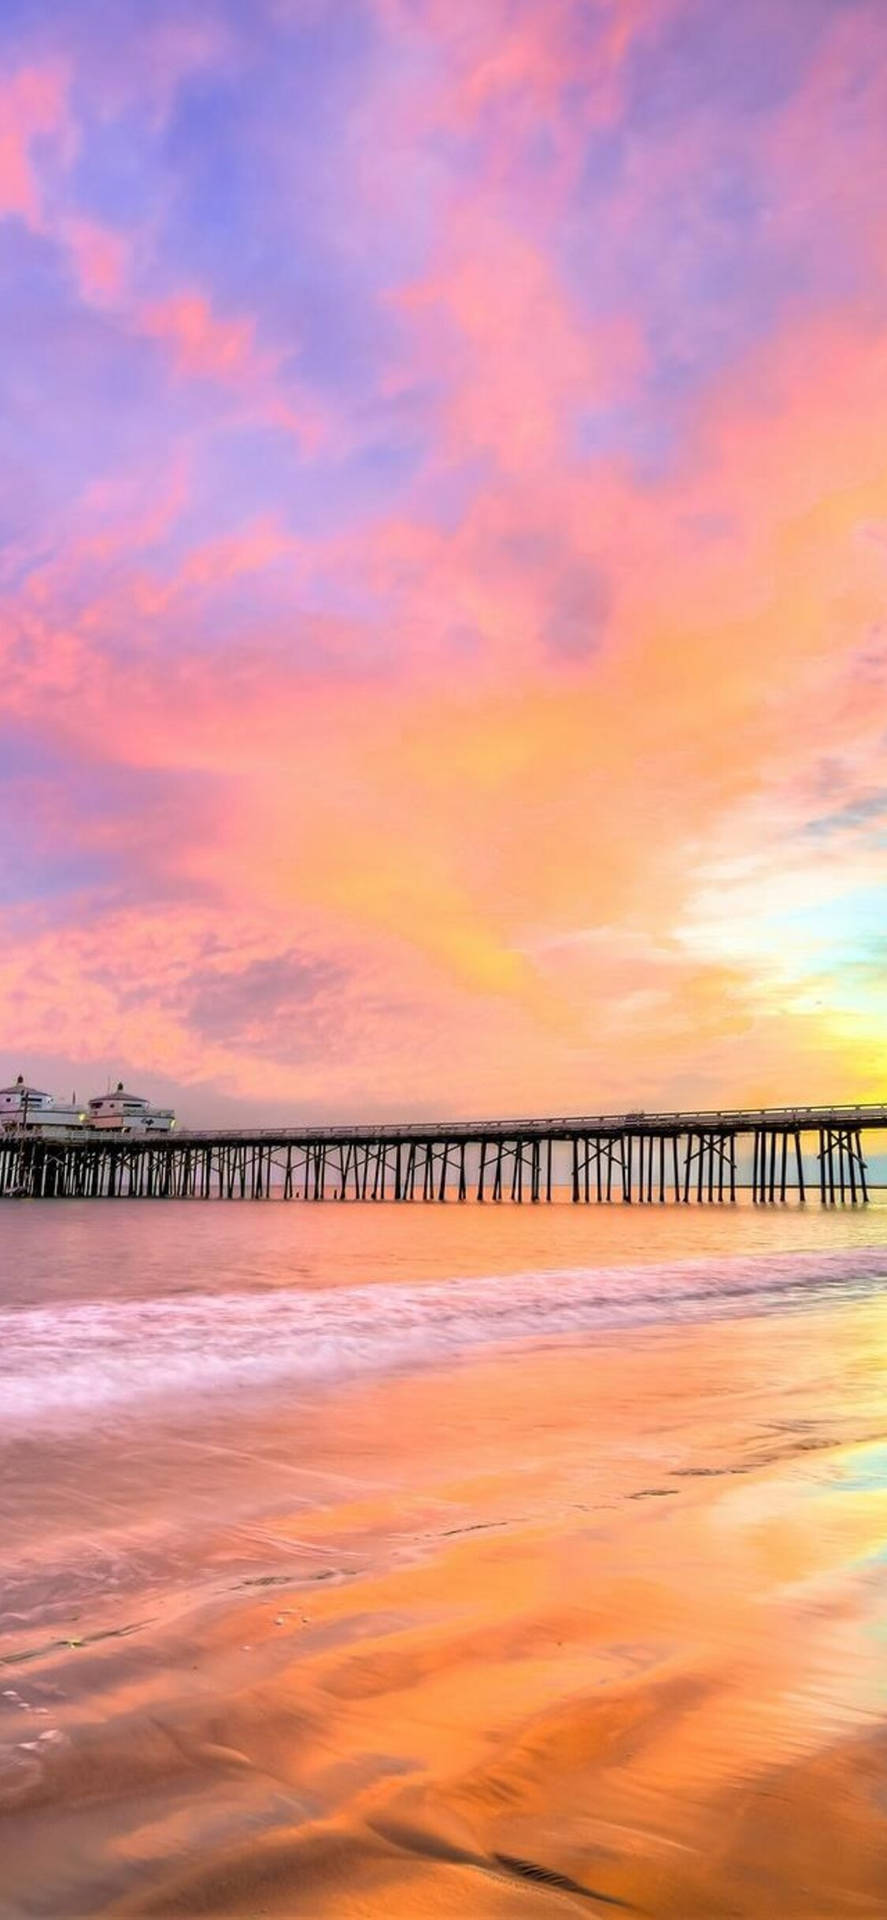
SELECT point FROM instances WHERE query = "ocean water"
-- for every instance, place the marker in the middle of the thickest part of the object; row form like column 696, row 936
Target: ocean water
column 209, row 1406
column 137, row 1339
column 117, row 1310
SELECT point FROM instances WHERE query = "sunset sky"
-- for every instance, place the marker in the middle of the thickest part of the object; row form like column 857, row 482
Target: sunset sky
column 444, row 504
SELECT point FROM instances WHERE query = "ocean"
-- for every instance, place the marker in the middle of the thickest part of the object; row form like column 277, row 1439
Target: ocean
column 423, row 1559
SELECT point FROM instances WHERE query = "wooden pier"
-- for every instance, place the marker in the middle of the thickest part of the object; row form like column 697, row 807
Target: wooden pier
column 777, row 1154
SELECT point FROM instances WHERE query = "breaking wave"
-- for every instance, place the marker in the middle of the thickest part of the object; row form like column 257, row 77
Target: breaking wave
column 68, row 1362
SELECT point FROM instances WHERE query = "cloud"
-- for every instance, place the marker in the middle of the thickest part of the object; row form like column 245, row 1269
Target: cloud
column 200, row 343
column 100, row 258
column 518, row 80
column 513, row 365
column 442, row 628
column 283, row 1005
column 33, row 105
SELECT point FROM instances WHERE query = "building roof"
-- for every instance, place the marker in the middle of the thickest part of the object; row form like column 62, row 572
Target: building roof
column 21, row 1089
column 120, row 1093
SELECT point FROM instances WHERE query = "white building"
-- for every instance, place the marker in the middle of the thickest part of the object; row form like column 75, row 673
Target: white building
column 22, row 1106
column 128, row 1113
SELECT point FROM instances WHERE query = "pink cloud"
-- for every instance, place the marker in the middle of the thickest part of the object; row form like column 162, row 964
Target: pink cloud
column 200, row 342
column 100, row 258
column 824, row 149
column 32, row 103
column 128, row 512
column 506, row 70
column 493, row 328
column 250, row 550
column 206, row 346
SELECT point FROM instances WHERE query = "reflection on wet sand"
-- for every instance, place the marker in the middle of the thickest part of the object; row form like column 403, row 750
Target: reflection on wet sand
column 583, row 1630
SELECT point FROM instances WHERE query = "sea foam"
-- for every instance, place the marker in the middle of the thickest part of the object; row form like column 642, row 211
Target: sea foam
column 67, row 1362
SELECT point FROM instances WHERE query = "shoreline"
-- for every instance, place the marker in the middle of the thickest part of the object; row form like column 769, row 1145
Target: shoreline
column 590, row 1616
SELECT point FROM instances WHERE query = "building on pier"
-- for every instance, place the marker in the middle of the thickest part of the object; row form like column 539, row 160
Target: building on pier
column 123, row 1112
column 24, row 1106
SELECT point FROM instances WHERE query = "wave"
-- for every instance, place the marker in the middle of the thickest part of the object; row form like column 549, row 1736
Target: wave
column 68, row 1362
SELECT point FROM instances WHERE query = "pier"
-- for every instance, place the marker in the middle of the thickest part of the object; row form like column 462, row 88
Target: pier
column 778, row 1153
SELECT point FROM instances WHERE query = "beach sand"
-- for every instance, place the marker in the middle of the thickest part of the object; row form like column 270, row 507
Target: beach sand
column 596, row 1628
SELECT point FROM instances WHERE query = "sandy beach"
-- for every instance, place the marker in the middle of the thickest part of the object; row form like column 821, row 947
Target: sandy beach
column 589, row 1625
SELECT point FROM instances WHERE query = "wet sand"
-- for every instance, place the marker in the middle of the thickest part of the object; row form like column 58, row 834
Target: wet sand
column 600, row 1627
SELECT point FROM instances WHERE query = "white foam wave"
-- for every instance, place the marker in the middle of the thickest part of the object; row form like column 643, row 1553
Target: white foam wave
column 69, row 1362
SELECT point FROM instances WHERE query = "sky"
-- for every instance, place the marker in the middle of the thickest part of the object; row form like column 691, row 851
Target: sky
column 444, row 544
